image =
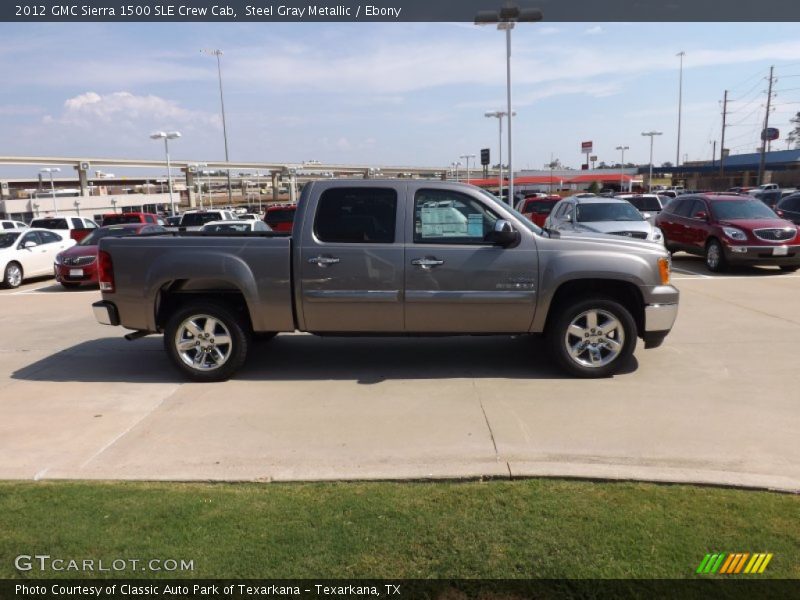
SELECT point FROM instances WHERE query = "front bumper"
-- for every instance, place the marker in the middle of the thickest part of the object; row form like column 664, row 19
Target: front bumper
column 105, row 313
column 660, row 317
column 76, row 274
column 763, row 254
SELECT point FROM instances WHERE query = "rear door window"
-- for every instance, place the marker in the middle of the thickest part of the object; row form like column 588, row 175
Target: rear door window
column 77, row 223
column 358, row 215
column 48, row 237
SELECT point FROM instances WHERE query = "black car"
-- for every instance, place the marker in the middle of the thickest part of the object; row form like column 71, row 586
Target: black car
column 789, row 208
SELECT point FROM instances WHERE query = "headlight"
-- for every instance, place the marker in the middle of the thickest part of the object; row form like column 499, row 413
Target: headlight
column 58, row 259
column 735, row 234
column 656, row 235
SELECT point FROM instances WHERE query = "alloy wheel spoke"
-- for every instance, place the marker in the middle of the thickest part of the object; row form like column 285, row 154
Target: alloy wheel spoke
column 187, row 345
column 609, row 326
column 576, row 350
column 193, row 328
column 211, row 325
column 577, row 331
column 591, row 319
column 222, row 339
column 613, row 345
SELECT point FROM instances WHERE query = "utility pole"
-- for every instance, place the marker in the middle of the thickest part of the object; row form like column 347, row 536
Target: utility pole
column 764, row 131
column 722, row 142
column 714, row 154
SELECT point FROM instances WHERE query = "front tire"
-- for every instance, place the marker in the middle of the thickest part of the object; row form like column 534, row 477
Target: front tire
column 715, row 257
column 13, row 275
column 206, row 341
column 592, row 338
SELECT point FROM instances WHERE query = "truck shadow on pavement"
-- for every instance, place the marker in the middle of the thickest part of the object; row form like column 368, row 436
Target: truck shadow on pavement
column 366, row 360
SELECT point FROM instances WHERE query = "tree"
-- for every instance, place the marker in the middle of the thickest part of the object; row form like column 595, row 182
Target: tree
column 666, row 165
column 594, row 188
column 793, row 139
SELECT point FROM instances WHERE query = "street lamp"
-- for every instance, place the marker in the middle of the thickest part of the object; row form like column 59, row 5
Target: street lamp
column 621, row 165
column 52, row 170
column 77, row 205
column 218, row 53
column 552, row 165
column 506, row 18
column 198, row 171
column 499, row 114
column 680, row 54
column 455, row 166
column 651, row 135
column 467, row 157
column 114, row 205
column 167, row 136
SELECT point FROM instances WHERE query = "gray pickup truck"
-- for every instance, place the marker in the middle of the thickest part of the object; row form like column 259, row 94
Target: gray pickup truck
column 390, row 257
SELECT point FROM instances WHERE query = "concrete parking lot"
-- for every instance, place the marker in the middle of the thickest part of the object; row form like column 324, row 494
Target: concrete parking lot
column 718, row 403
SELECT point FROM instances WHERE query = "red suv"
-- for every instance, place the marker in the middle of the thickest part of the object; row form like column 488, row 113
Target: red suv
column 730, row 229
column 132, row 217
column 281, row 217
column 538, row 209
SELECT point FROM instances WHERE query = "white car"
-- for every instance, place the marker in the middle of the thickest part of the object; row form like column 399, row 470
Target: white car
column 29, row 253
column 6, row 225
column 613, row 216
column 250, row 217
column 235, row 226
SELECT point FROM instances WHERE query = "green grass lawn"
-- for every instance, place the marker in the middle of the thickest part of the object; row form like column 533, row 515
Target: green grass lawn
column 494, row 529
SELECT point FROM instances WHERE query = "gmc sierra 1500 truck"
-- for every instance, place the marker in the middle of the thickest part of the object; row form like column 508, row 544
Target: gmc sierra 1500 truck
column 390, row 257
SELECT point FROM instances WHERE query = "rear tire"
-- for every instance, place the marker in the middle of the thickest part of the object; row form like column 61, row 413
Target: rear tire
column 13, row 275
column 592, row 338
column 206, row 341
column 715, row 257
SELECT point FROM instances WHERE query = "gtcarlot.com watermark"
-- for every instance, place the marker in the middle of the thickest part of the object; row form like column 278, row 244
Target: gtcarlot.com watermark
column 46, row 563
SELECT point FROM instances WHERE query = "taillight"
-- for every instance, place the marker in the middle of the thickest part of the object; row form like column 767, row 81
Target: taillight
column 105, row 272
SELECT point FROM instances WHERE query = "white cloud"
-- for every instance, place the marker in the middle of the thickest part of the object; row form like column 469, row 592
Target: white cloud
column 91, row 109
column 596, row 30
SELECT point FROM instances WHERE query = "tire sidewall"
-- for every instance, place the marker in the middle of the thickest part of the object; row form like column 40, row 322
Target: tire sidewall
column 557, row 331
column 240, row 340
column 6, row 282
column 721, row 264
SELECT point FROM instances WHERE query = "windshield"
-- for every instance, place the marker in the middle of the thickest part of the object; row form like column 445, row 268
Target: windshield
column 280, row 216
column 539, row 207
column 741, row 209
column 7, row 239
column 228, row 228
column 523, row 220
column 50, row 223
column 198, row 219
column 616, row 211
column 646, row 203
column 99, row 234
column 115, row 219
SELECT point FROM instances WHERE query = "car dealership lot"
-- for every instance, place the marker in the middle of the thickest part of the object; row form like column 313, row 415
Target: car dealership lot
column 717, row 403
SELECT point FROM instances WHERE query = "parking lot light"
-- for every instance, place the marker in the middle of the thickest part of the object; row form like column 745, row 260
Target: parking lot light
column 651, row 135
column 505, row 19
column 622, row 166
column 52, row 170
column 167, row 136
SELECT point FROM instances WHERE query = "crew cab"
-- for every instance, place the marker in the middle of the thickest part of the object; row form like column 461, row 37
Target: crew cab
column 390, row 257
column 193, row 220
column 76, row 228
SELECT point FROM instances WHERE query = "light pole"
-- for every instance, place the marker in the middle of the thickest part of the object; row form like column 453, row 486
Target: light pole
column 499, row 114
column 622, row 165
column 77, row 205
column 467, row 157
column 198, row 171
column 505, row 19
column 52, row 170
column 114, row 205
column 455, row 166
column 651, row 135
column 218, row 53
column 552, row 165
column 680, row 54
column 167, row 136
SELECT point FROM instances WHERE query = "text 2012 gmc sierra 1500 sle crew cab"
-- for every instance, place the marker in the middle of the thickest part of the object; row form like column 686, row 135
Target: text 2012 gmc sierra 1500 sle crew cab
column 390, row 257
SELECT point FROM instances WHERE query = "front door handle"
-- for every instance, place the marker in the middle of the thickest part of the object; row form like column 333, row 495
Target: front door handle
column 427, row 263
column 323, row 261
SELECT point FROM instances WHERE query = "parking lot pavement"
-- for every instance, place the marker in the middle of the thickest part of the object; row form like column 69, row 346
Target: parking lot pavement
column 718, row 403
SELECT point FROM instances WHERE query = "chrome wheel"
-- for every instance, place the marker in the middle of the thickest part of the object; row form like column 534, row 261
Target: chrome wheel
column 594, row 338
column 203, row 342
column 713, row 256
column 13, row 275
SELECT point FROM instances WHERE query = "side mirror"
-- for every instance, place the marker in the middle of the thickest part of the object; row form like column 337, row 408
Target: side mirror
column 30, row 244
column 702, row 215
column 503, row 234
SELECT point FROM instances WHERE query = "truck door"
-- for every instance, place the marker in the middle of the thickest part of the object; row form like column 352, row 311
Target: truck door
column 456, row 282
column 351, row 260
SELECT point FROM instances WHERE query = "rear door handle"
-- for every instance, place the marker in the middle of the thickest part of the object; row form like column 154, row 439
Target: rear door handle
column 427, row 263
column 323, row 261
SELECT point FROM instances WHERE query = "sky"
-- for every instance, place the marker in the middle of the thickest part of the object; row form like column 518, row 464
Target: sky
column 389, row 94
